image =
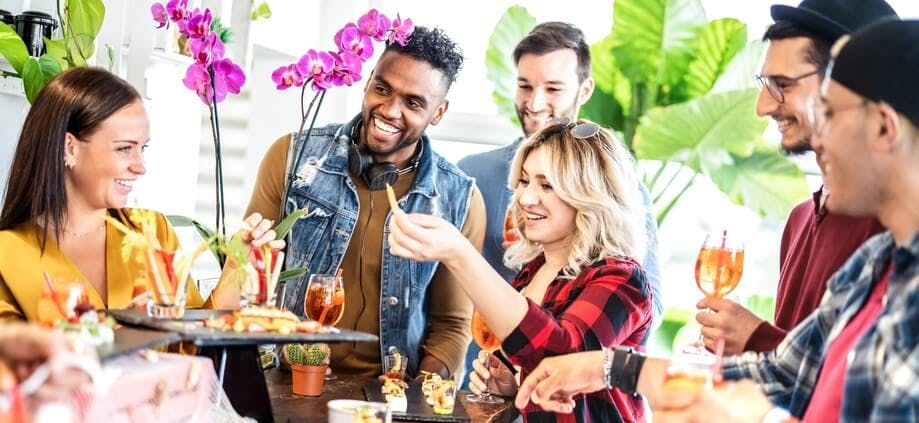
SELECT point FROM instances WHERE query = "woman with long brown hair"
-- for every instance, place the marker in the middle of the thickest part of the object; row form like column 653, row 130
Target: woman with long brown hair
column 78, row 156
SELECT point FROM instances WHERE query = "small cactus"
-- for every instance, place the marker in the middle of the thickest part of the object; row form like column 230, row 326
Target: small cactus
column 307, row 354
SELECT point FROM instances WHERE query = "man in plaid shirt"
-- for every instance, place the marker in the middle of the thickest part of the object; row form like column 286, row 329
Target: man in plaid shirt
column 855, row 358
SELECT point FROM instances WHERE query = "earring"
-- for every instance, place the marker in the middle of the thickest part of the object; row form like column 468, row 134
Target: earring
column 70, row 162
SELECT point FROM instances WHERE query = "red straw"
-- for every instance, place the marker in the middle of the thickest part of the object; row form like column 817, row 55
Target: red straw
column 717, row 377
column 721, row 253
column 57, row 302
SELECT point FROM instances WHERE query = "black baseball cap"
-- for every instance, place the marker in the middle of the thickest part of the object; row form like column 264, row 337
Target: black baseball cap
column 835, row 18
column 880, row 63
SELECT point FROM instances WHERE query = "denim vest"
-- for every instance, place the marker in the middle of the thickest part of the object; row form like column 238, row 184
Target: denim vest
column 319, row 240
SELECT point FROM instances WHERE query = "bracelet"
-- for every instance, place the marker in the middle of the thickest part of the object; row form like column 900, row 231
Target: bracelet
column 607, row 367
column 624, row 367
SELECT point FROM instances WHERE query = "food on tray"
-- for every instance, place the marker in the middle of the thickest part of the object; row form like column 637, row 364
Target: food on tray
column 431, row 382
column 444, row 397
column 366, row 414
column 91, row 327
column 394, row 392
column 263, row 319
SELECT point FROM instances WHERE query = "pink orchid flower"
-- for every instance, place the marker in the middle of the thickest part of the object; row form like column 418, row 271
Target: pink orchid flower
column 198, row 25
column 159, row 15
column 228, row 78
column 206, row 50
column 317, row 66
column 401, row 30
column 177, row 10
column 287, row 76
column 374, row 24
column 351, row 38
column 347, row 69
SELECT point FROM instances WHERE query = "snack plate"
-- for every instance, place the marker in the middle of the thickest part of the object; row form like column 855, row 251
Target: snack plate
column 417, row 409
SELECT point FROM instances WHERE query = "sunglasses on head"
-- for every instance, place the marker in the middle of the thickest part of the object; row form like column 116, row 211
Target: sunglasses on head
column 577, row 130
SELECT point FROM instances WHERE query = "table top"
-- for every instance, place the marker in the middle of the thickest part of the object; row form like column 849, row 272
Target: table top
column 288, row 407
column 189, row 329
column 130, row 340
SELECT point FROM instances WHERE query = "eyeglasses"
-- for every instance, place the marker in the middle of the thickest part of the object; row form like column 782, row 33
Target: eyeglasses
column 577, row 130
column 819, row 115
column 776, row 85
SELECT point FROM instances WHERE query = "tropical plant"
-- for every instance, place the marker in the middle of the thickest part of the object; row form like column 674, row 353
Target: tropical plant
column 679, row 90
column 72, row 46
column 222, row 247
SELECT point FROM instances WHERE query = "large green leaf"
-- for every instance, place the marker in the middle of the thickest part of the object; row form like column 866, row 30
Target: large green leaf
column 702, row 133
column 653, row 38
column 58, row 50
column 765, row 182
column 37, row 72
column 501, row 70
column 612, row 96
column 12, row 48
column 84, row 20
column 603, row 109
column 739, row 73
column 717, row 44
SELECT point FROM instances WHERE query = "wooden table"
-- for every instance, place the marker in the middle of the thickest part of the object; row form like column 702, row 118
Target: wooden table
column 288, row 407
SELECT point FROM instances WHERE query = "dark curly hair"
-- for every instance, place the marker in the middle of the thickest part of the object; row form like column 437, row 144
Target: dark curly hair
column 434, row 47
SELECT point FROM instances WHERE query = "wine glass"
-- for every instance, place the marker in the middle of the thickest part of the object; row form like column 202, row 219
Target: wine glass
column 488, row 342
column 718, row 270
column 325, row 301
column 59, row 301
column 511, row 234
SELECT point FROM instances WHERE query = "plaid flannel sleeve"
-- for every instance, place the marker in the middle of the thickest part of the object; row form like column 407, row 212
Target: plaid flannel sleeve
column 614, row 301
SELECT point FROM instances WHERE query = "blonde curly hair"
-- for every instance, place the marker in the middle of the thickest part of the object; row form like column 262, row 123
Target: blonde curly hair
column 596, row 176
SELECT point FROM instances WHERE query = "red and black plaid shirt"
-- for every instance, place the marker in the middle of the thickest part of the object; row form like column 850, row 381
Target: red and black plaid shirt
column 607, row 304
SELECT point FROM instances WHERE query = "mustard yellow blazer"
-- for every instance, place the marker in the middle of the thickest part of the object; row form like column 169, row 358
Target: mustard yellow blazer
column 22, row 265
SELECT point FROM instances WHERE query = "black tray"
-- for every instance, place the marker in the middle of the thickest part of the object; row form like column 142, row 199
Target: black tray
column 417, row 408
column 129, row 340
column 191, row 328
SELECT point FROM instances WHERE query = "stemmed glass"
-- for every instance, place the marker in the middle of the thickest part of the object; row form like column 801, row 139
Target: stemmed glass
column 718, row 270
column 511, row 234
column 488, row 342
column 325, row 301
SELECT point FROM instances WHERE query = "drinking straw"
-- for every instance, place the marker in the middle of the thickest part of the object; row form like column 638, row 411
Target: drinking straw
column 57, row 302
column 276, row 275
column 717, row 376
column 721, row 254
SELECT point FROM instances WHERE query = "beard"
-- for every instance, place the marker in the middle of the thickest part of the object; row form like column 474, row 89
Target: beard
column 801, row 147
column 571, row 112
column 403, row 143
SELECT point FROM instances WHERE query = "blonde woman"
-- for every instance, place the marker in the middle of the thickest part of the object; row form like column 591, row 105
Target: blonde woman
column 580, row 286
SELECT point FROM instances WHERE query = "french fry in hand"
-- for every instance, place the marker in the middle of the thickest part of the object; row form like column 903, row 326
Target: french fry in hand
column 393, row 204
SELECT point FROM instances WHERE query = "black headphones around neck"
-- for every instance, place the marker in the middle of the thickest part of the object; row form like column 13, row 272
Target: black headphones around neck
column 376, row 175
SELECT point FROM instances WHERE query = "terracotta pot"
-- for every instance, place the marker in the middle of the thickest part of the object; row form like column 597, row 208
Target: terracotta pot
column 307, row 380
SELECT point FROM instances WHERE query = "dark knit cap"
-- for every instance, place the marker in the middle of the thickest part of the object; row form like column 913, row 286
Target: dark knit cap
column 881, row 63
column 834, row 18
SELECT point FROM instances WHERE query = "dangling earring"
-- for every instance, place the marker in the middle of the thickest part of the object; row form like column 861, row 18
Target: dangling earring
column 70, row 162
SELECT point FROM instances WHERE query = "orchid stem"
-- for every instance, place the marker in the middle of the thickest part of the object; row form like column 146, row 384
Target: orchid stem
column 293, row 170
column 215, row 129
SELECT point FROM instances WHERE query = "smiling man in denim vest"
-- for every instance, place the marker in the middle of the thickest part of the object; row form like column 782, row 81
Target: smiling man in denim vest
column 415, row 308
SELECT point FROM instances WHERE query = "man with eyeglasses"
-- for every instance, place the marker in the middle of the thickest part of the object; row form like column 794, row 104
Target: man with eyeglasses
column 856, row 358
column 816, row 242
